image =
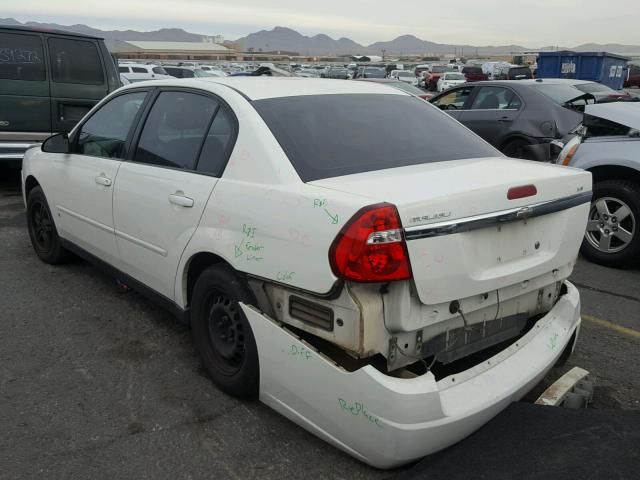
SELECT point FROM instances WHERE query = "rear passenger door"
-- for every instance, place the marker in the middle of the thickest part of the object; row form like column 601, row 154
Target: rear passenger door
column 78, row 79
column 492, row 112
column 161, row 192
column 24, row 88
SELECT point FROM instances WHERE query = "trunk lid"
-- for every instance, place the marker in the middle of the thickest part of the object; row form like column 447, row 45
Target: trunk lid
column 464, row 237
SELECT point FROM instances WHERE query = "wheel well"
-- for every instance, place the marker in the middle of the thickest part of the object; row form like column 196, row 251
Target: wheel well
column 512, row 138
column 196, row 265
column 614, row 172
column 29, row 184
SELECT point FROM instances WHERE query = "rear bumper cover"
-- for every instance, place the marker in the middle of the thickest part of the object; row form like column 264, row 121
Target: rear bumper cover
column 387, row 421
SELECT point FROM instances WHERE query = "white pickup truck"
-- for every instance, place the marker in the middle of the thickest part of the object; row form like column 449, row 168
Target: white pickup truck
column 365, row 264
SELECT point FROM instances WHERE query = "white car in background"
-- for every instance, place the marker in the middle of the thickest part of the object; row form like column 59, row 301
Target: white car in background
column 213, row 70
column 449, row 80
column 138, row 72
column 404, row 76
column 387, row 286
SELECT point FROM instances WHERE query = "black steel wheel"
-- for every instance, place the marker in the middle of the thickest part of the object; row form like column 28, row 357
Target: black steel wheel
column 226, row 332
column 221, row 332
column 42, row 229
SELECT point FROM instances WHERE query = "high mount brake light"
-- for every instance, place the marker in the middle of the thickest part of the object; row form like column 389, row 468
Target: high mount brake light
column 371, row 247
column 522, row 191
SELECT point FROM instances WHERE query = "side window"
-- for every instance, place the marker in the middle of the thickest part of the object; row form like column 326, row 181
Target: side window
column 75, row 61
column 453, row 100
column 123, row 69
column 492, row 98
column 515, row 103
column 138, row 70
column 174, row 130
column 105, row 133
column 217, row 146
column 188, row 74
column 21, row 57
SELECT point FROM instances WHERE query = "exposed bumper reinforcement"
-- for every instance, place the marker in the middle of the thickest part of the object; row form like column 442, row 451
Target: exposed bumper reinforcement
column 387, row 421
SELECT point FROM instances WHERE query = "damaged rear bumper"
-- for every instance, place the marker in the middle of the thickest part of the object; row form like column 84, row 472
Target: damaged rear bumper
column 387, row 421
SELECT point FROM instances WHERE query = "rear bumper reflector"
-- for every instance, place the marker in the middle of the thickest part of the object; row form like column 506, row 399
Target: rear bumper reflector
column 488, row 219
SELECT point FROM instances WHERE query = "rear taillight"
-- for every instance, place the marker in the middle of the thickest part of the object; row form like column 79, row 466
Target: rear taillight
column 371, row 247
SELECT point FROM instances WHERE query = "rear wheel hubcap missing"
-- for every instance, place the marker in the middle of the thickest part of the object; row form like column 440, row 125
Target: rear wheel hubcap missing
column 611, row 226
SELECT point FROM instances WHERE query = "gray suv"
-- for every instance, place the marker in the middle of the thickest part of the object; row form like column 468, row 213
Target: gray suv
column 48, row 81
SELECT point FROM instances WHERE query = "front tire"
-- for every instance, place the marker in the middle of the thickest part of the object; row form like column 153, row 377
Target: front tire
column 612, row 236
column 42, row 230
column 221, row 332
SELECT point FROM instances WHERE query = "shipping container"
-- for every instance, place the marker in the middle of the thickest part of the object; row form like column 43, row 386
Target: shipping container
column 606, row 68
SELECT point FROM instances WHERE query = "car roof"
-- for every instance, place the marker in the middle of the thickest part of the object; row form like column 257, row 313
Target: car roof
column 20, row 28
column 557, row 81
column 263, row 87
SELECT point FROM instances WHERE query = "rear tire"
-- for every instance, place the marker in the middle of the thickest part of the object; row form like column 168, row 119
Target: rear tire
column 517, row 149
column 42, row 230
column 612, row 237
column 221, row 332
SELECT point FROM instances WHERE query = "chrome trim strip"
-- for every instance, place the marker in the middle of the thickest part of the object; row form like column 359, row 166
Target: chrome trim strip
column 488, row 219
column 17, row 146
column 141, row 243
column 93, row 223
column 24, row 136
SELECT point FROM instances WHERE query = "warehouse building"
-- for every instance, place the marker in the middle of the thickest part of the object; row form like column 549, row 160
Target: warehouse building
column 198, row 51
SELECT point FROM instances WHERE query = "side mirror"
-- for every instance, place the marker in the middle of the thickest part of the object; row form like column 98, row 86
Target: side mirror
column 58, row 143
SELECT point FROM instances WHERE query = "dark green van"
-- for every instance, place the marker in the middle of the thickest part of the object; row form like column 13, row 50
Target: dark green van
column 48, row 80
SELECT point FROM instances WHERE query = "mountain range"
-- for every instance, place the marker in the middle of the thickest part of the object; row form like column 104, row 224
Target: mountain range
column 289, row 40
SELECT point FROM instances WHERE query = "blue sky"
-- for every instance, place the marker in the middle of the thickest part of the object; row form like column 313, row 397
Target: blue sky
column 532, row 23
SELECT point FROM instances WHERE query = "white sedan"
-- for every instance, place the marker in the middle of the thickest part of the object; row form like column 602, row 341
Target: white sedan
column 449, row 80
column 404, row 76
column 387, row 286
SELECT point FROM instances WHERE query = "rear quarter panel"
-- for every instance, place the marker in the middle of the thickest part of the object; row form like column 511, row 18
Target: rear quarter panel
column 262, row 219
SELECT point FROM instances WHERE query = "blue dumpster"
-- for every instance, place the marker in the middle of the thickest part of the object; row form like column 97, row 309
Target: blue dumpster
column 606, row 68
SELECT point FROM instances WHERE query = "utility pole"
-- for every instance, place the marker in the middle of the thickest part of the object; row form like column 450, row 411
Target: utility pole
column 383, row 52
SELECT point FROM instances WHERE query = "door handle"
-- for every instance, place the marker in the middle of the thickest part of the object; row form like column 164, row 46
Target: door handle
column 505, row 120
column 103, row 180
column 179, row 199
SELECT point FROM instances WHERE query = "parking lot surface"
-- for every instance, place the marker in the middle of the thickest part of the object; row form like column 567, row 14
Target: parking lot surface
column 96, row 382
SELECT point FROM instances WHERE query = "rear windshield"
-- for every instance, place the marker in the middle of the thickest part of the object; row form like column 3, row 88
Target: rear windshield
column 559, row 93
column 328, row 136
column 472, row 70
column 438, row 69
column 593, row 87
column 405, row 74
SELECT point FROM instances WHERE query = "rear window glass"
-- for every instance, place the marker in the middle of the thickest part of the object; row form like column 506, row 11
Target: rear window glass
column 75, row 61
column 560, row 94
column 593, row 87
column 21, row 57
column 332, row 135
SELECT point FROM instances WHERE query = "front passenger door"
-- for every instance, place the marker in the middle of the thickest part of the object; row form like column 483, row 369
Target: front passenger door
column 453, row 101
column 160, row 195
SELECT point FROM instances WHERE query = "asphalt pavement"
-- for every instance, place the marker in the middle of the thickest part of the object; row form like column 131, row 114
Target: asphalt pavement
column 99, row 383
